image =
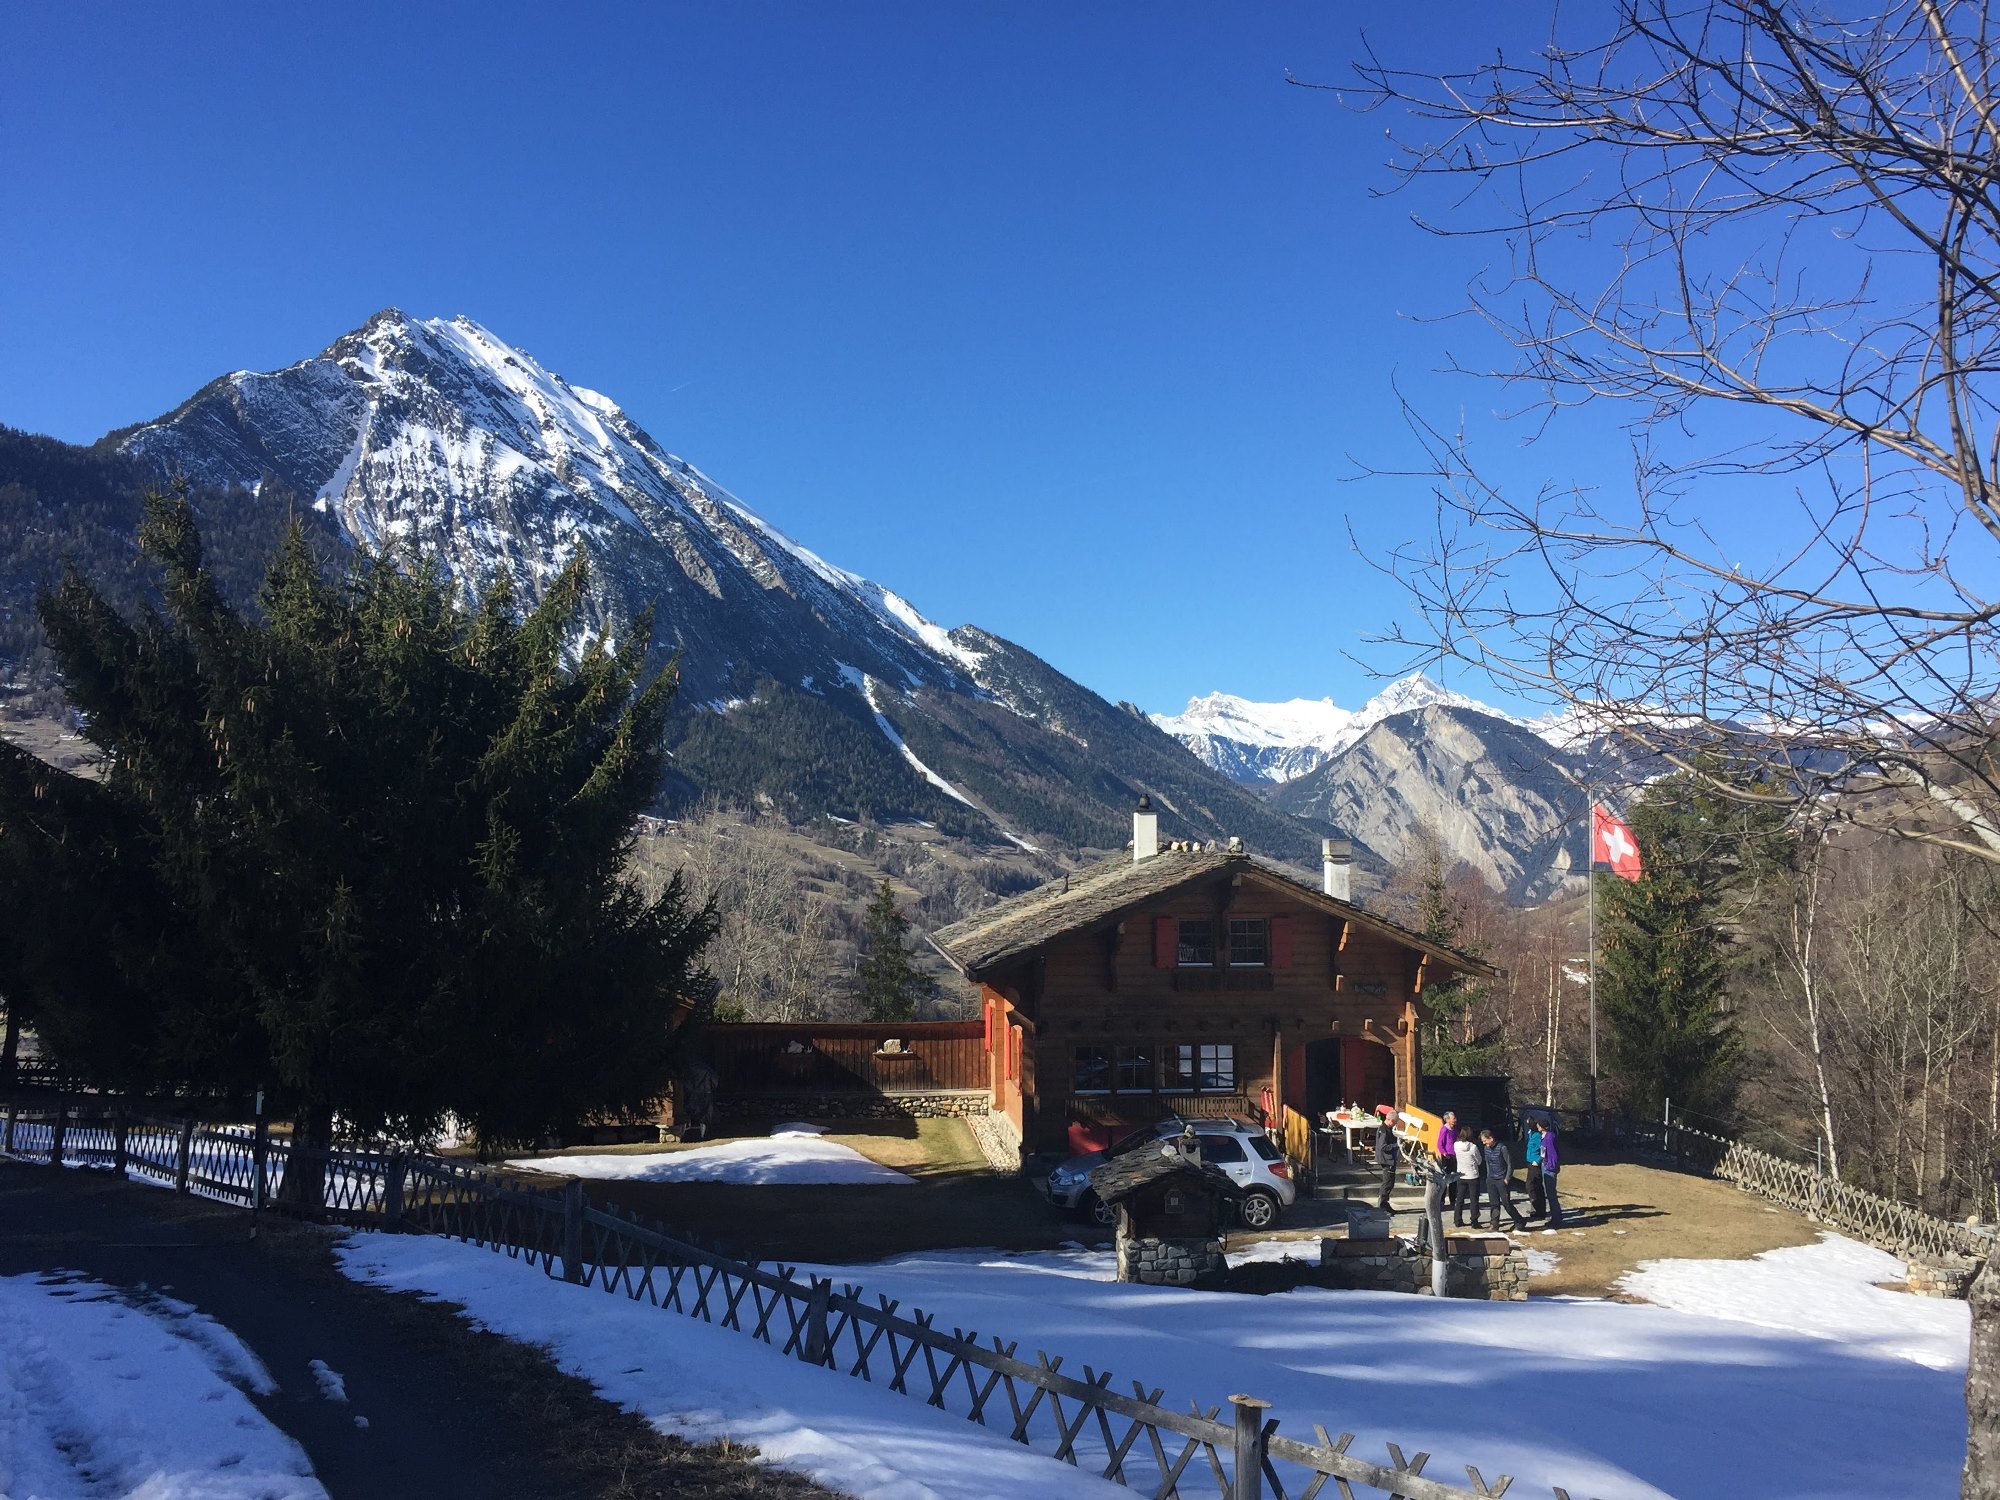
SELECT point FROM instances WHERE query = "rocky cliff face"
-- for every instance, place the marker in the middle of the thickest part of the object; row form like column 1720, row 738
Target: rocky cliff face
column 1502, row 799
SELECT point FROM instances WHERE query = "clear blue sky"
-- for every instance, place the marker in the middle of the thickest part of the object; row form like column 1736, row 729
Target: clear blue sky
column 1065, row 321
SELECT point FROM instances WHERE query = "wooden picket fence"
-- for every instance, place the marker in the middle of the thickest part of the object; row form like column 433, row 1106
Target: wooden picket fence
column 1073, row 1412
column 1804, row 1187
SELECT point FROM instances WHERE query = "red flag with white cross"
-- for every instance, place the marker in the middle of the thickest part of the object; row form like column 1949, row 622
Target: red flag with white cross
column 1612, row 844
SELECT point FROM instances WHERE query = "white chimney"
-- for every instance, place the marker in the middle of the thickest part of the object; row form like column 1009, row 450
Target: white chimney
column 1145, row 831
column 1337, row 868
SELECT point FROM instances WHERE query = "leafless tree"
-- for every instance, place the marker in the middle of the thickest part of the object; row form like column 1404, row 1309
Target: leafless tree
column 1767, row 233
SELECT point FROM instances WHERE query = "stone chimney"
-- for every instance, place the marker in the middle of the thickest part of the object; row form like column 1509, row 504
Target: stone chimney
column 1145, row 831
column 1337, row 868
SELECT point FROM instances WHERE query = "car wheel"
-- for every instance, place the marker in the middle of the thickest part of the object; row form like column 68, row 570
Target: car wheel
column 1100, row 1213
column 1258, row 1210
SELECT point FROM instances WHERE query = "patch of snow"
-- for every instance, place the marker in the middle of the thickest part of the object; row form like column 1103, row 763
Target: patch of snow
column 707, row 1384
column 335, row 487
column 332, row 1385
column 1827, row 1290
column 889, row 733
column 1542, row 1262
column 789, row 1155
column 101, row 1396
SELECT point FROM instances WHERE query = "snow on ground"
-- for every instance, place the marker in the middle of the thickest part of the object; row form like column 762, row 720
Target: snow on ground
column 104, row 1394
column 791, row 1154
column 1600, row 1397
column 1828, row 1290
column 706, row 1383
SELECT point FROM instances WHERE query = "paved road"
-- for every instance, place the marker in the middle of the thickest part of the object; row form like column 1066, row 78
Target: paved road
column 431, row 1433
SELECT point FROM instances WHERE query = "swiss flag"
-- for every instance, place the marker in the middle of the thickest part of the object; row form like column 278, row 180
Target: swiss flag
column 1611, row 843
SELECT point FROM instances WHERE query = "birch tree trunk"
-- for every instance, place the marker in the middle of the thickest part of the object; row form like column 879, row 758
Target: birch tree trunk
column 1982, row 1389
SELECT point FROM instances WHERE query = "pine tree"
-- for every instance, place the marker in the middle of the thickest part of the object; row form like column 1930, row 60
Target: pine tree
column 369, row 845
column 888, row 985
column 1664, row 952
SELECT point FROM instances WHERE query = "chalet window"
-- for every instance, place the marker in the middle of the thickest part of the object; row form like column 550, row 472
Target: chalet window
column 1091, row 1071
column 1249, row 942
column 1197, row 945
column 1218, row 1068
column 1205, row 1068
column 1135, row 1070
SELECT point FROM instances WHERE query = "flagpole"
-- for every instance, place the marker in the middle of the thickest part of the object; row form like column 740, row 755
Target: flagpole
column 1590, row 880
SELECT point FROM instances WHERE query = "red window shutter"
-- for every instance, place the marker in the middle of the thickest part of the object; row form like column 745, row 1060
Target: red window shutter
column 1166, row 942
column 1281, row 942
column 987, row 1010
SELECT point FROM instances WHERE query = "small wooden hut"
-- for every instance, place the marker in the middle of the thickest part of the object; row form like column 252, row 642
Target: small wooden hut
column 1170, row 1206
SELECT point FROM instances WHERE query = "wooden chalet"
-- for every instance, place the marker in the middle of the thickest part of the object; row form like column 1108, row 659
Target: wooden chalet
column 1198, row 980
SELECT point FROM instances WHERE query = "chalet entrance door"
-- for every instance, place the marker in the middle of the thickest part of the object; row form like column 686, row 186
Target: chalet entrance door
column 1322, row 1080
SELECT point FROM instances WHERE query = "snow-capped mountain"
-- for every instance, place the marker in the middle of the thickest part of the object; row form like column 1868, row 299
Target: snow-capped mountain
column 824, row 691
column 435, row 434
column 1279, row 742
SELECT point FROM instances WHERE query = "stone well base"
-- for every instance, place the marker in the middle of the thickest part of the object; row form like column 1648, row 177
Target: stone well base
column 1158, row 1262
column 1952, row 1279
column 1482, row 1267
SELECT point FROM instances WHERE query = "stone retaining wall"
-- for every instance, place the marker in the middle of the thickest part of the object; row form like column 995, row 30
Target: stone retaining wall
column 1482, row 1267
column 997, row 1139
column 1157, row 1262
column 927, row 1104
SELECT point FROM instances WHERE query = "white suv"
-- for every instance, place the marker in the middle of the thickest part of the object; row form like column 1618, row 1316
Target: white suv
column 1237, row 1147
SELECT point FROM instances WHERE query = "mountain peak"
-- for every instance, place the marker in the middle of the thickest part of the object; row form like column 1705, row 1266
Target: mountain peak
column 1279, row 742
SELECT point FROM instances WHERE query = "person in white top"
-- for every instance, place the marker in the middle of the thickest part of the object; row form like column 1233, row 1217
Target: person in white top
column 1469, row 1165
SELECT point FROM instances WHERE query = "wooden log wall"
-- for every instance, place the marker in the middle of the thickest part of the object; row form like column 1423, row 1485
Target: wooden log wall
column 846, row 1057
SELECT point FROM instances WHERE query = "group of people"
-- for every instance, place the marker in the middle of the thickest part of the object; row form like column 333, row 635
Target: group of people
column 1478, row 1168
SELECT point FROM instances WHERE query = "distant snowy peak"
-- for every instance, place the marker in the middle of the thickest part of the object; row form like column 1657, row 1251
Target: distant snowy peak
column 1281, row 742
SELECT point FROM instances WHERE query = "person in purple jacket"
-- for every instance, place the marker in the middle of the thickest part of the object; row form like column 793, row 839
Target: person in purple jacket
column 1551, row 1165
column 1447, row 1137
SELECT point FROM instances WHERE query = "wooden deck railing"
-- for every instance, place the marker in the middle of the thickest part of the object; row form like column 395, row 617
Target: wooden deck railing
column 1073, row 1413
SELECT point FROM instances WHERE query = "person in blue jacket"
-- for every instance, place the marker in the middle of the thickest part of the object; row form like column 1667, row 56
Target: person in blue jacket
column 1531, row 1153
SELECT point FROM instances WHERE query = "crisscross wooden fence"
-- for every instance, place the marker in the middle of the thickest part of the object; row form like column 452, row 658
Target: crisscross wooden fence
column 1073, row 1412
column 1804, row 1187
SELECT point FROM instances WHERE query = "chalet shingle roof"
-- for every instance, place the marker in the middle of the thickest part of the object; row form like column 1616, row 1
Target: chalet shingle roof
column 1019, row 926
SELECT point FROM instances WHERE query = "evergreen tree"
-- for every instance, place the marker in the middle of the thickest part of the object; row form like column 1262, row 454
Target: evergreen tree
column 888, row 985
column 365, row 848
column 1664, row 951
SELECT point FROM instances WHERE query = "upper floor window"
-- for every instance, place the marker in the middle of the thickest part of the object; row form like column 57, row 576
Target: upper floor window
column 1197, row 944
column 1249, row 942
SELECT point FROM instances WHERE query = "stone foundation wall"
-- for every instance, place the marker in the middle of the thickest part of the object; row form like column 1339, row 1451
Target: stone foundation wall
column 926, row 1104
column 1482, row 1267
column 1951, row 1279
column 1158, row 1262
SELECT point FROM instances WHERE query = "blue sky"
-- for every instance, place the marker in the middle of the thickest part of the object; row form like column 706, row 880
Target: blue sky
column 1071, row 322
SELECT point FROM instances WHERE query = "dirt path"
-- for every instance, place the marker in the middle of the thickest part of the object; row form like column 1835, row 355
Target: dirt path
column 452, row 1414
